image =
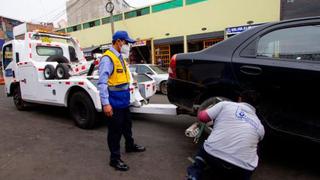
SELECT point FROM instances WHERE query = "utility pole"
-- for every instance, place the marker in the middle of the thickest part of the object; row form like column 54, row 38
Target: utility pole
column 109, row 9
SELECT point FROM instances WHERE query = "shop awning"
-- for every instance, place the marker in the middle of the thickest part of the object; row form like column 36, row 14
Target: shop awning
column 174, row 40
column 204, row 36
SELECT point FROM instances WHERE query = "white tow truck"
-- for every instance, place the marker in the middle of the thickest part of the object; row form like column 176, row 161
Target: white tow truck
column 50, row 68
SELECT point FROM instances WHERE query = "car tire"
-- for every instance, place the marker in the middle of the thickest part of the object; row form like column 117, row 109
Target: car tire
column 20, row 104
column 62, row 71
column 48, row 72
column 211, row 102
column 58, row 59
column 163, row 87
column 82, row 110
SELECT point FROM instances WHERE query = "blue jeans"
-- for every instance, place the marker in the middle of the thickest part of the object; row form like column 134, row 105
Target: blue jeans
column 226, row 170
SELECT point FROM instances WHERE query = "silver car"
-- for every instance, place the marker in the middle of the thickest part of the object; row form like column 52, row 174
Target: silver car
column 154, row 71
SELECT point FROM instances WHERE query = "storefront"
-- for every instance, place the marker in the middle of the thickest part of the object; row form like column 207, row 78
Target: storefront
column 140, row 52
column 165, row 48
column 198, row 42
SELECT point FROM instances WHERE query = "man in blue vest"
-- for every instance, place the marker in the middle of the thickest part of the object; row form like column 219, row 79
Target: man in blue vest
column 114, row 91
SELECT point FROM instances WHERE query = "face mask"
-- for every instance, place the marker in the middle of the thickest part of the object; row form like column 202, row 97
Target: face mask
column 125, row 49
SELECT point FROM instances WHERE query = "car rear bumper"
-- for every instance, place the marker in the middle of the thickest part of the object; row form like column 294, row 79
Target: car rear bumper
column 183, row 94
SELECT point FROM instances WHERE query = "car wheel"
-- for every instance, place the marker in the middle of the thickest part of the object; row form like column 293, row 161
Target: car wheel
column 82, row 110
column 17, row 99
column 163, row 87
column 211, row 102
column 48, row 72
column 62, row 71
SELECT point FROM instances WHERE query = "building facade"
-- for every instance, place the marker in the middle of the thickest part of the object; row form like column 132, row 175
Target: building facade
column 176, row 26
column 299, row 8
column 84, row 10
column 6, row 28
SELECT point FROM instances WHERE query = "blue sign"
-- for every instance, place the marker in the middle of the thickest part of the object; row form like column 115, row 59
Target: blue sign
column 239, row 29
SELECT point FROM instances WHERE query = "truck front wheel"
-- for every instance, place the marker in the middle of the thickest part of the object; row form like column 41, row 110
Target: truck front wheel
column 82, row 110
column 17, row 99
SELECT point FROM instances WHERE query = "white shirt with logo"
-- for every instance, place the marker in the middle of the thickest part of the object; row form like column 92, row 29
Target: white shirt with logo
column 235, row 135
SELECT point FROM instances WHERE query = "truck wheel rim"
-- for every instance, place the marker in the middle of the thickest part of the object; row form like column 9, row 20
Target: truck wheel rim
column 47, row 73
column 60, row 72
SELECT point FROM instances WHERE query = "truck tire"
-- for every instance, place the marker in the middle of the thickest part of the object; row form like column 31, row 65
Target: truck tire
column 62, row 71
column 82, row 110
column 48, row 72
column 58, row 59
column 163, row 87
column 17, row 99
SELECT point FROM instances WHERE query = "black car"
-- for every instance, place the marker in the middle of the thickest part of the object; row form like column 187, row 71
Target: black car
column 281, row 61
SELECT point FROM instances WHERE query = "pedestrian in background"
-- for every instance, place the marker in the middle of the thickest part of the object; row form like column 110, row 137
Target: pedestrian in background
column 231, row 148
column 114, row 91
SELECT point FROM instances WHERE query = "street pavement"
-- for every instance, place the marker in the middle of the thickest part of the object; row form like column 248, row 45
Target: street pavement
column 43, row 143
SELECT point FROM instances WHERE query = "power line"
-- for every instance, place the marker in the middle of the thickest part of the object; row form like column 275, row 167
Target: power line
column 51, row 12
column 63, row 12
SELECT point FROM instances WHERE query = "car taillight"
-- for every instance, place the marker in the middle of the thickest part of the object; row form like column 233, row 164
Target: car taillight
column 172, row 67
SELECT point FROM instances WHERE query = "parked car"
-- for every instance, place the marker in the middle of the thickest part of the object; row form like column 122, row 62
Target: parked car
column 281, row 61
column 156, row 72
column 145, row 84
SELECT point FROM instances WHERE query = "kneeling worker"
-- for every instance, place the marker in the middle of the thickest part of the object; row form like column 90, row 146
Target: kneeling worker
column 231, row 148
column 114, row 90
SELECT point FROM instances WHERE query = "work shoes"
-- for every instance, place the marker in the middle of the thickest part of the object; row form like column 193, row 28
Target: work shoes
column 119, row 165
column 135, row 148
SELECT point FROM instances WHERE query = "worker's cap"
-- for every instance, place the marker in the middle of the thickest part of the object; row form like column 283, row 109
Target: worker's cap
column 122, row 35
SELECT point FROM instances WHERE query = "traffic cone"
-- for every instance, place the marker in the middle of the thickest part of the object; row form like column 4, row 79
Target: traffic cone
column 1, row 79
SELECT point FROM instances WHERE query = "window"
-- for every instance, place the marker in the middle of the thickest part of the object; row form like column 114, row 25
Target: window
column 7, row 55
column 91, row 24
column 133, row 68
column 139, row 12
column 117, row 17
column 49, row 51
column 167, row 5
column 106, row 20
column 158, row 69
column 298, row 43
column 140, row 78
column 188, row 2
column 74, row 28
column 144, row 70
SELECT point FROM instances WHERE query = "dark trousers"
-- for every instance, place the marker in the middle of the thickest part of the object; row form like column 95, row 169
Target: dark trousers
column 120, row 124
column 224, row 169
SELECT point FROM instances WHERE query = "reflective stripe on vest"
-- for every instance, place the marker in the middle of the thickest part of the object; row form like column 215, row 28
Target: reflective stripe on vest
column 120, row 74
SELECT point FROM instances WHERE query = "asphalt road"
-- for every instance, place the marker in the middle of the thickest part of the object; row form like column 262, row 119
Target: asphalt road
column 43, row 143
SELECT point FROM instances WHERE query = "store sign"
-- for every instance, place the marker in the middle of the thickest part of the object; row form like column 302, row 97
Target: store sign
column 239, row 29
column 139, row 43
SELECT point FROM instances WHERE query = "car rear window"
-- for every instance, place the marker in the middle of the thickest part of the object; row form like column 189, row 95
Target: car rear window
column 49, row 51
